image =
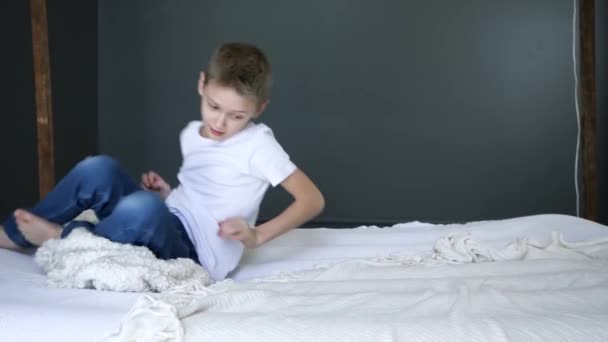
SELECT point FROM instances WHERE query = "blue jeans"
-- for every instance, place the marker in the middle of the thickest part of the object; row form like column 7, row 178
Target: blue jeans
column 126, row 213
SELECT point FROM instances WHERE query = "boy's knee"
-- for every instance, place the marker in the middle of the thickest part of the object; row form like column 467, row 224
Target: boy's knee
column 100, row 165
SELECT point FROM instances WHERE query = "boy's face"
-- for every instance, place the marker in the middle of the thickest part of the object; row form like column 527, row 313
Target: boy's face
column 224, row 111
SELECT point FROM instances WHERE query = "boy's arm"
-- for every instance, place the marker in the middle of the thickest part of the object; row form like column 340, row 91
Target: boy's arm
column 308, row 203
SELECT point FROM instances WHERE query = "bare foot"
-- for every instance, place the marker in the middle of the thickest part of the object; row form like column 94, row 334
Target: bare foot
column 35, row 229
column 7, row 243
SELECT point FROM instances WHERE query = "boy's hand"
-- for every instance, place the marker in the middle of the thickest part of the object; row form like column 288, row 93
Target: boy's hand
column 238, row 229
column 152, row 181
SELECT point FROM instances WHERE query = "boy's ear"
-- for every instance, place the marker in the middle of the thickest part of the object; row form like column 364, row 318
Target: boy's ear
column 261, row 108
column 201, row 83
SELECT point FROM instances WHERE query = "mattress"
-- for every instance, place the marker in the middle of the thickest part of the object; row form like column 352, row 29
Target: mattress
column 31, row 311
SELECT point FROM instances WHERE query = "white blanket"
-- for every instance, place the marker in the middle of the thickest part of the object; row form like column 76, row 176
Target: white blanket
column 462, row 291
column 83, row 260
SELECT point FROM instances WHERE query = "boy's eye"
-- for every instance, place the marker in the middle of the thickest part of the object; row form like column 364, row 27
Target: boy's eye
column 238, row 117
column 214, row 106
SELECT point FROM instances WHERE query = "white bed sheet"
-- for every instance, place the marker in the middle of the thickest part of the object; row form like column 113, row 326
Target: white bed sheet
column 30, row 311
column 304, row 248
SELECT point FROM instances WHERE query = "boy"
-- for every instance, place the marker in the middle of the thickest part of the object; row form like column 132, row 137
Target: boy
column 228, row 164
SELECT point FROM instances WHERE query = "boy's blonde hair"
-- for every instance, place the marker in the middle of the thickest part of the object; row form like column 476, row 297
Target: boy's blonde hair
column 243, row 67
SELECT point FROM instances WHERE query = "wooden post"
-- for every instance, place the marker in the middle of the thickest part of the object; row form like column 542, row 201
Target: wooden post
column 588, row 109
column 44, row 112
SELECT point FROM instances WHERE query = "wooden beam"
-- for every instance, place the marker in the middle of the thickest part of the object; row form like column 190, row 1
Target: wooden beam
column 44, row 112
column 588, row 108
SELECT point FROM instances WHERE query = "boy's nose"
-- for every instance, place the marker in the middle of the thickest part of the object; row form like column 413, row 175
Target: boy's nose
column 221, row 121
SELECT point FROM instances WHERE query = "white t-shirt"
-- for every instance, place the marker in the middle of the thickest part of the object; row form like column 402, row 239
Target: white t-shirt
column 221, row 180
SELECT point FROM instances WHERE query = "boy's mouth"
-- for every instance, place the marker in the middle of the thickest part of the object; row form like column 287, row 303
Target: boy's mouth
column 215, row 132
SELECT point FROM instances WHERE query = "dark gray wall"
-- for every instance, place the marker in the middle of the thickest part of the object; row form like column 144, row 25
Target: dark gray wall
column 73, row 53
column 428, row 110
column 602, row 104
column 19, row 168
column 72, row 29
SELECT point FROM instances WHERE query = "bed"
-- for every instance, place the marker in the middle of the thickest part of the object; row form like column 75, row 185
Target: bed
column 368, row 283
column 361, row 284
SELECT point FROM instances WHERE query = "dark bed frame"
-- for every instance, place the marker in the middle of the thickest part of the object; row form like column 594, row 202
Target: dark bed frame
column 586, row 20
